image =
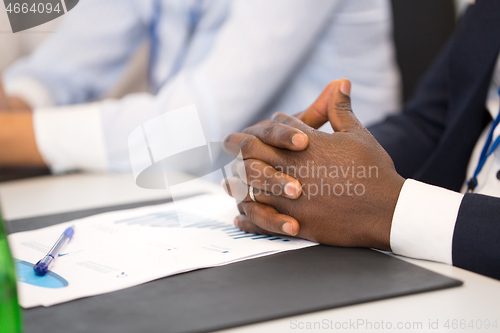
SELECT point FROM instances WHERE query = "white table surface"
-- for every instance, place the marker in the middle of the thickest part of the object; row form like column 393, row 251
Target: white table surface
column 477, row 300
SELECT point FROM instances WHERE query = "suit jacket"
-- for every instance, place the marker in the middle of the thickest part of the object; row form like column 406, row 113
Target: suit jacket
column 432, row 140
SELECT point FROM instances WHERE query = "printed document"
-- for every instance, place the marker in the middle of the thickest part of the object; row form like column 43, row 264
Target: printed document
column 121, row 249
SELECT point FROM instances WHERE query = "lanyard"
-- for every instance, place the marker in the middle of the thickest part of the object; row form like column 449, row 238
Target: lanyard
column 488, row 149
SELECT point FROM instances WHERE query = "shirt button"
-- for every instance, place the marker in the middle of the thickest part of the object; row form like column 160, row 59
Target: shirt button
column 498, row 175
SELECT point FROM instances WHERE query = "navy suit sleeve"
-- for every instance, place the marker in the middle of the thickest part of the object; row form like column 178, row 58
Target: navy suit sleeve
column 476, row 240
column 411, row 137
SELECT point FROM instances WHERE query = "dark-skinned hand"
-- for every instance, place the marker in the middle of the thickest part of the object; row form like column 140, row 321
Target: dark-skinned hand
column 336, row 189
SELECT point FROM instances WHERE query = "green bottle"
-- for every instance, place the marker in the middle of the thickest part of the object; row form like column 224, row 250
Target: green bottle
column 10, row 312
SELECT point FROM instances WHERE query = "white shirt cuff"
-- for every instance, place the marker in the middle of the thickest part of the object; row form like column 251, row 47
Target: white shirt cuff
column 424, row 221
column 71, row 137
column 29, row 90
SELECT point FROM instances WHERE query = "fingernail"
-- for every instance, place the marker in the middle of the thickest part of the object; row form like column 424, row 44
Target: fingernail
column 345, row 88
column 287, row 228
column 298, row 139
column 291, row 190
column 236, row 222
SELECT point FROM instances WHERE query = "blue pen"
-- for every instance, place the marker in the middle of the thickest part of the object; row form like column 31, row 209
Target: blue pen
column 42, row 266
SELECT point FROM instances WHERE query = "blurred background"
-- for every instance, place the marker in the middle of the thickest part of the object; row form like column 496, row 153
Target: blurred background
column 421, row 27
column 412, row 13
column 15, row 46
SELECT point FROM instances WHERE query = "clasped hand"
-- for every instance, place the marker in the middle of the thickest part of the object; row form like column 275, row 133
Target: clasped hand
column 336, row 189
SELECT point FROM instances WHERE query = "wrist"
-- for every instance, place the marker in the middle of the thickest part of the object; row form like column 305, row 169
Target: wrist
column 17, row 140
column 389, row 195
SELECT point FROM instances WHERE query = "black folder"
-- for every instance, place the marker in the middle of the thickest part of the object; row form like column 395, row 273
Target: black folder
column 256, row 290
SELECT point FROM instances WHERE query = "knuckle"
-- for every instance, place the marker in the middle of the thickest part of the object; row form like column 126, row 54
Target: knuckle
column 240, row 209
column 246, row 145
column 278, row 116
column 287, row 120
column 284, row 134
column 269, row 224
column 251, row 228
column 247, row 130
column 229, row 138
column 294, row 162
column 344, row 106
column 249, row 208
column 248, row 171
column 267, row 132
column 274, row 133
column 231, row 148
column 244, row 225
column 256, row 127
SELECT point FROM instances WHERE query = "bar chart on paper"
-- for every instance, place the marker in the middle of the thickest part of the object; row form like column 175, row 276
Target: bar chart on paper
column 170, row 219
column 117, row 250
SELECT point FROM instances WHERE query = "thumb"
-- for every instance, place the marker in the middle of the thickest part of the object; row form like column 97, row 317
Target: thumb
column 317, row 114
column 340, row 112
